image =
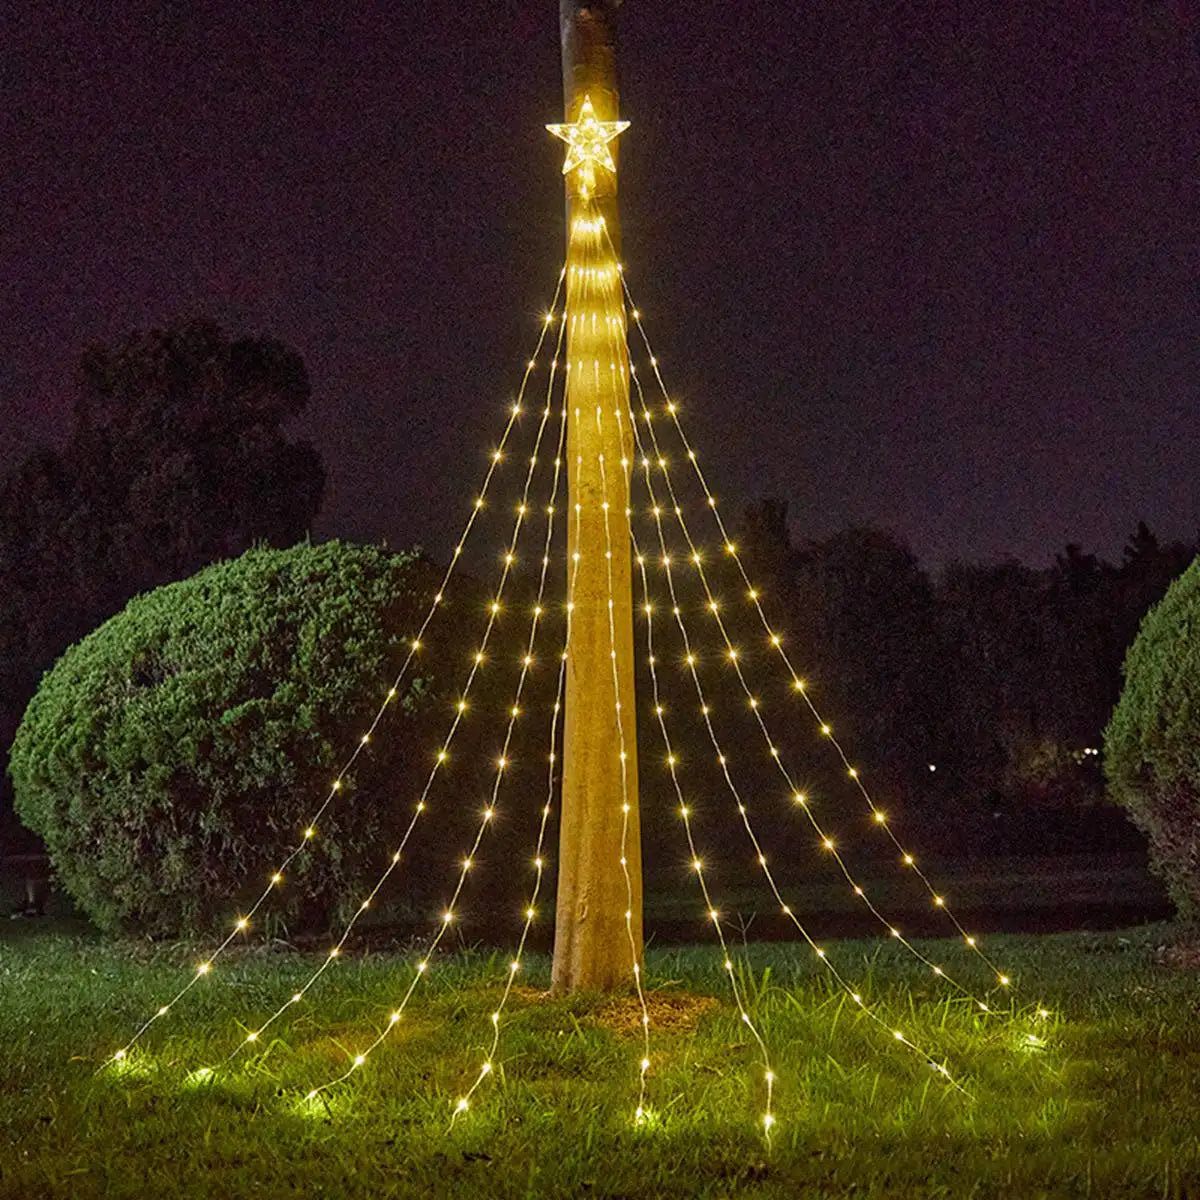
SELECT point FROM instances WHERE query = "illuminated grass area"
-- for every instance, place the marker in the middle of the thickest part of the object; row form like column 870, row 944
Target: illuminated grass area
column 1097, row 1099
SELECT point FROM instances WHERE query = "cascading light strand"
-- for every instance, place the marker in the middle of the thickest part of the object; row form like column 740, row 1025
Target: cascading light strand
column 309, row 833
column 786, row 909
column 527, row 660
column 598, row 353
column 695, row 559
column 442, row 755
column 640, row 1111
column 775, row 641
column 487, row 1066
column 768, row 1116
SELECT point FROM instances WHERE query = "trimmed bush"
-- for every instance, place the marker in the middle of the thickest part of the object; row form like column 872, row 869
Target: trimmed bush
column 1152, row 744
column 172, row 756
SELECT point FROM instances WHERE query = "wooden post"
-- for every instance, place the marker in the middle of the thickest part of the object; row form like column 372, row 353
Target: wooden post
column 598, row 929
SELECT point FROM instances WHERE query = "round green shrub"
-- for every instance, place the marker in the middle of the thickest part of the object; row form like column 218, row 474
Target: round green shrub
column 1152, row 744
column 171, row 757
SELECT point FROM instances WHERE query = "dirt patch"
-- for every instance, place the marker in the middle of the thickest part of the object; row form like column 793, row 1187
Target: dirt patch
column 670, row 1012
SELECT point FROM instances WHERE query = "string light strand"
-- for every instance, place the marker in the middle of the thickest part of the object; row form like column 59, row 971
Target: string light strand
column 879, row 818
column 309, row 834
column 442, row 754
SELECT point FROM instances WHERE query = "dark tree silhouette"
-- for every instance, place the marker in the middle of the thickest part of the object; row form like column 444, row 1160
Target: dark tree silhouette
column 176, row 458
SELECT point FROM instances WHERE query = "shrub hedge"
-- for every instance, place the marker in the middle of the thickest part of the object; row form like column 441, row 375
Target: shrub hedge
column 1152, row 744
column 169, row 756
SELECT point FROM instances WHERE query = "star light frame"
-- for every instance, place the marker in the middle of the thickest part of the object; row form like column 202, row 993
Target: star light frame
column 587, row 140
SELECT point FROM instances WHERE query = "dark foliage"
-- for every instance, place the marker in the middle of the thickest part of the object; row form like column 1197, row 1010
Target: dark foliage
column 976, row 701
column 1152, row 744
column 176, row 458
column 171, row 756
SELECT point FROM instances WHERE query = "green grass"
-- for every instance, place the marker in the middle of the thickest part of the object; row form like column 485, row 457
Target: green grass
column 1102, row 1105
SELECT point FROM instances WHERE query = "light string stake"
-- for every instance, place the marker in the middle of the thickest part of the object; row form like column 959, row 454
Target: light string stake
column 309, row 835
column 722, row 759
column 487, row 1067
column 776, row 643
column 443, row 753
column 768, row 1117
column 489, row 811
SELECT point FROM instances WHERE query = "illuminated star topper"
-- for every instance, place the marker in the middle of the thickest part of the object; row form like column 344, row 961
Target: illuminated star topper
column 587, row 144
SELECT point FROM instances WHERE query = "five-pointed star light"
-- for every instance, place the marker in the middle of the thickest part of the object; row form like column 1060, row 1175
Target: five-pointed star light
column 587, row 143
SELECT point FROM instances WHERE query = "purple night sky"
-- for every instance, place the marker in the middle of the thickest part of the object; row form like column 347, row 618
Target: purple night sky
column 927, row 266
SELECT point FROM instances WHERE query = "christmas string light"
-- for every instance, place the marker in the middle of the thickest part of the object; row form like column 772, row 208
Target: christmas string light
column 585, row 280
column 879, row 817
column 599, row 364
column 487, row 1066
column 359, row 1060
column 743, row 812
column 639, row 1112
column 486, row 1069
column 768, row 1117
column 442, row 755
column 309, row 834
column 588, row 280
column 696, row 560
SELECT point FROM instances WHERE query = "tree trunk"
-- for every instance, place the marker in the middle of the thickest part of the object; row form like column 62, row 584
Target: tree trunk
column 598, row 930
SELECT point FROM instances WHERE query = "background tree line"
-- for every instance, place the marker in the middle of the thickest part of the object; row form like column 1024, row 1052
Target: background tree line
column 976, row 698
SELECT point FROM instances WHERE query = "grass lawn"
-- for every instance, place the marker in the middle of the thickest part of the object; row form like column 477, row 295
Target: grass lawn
column 1102, row 1102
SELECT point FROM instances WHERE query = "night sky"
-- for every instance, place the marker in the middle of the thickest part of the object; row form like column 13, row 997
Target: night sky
column 927, row 266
